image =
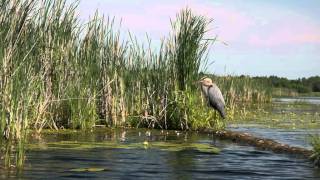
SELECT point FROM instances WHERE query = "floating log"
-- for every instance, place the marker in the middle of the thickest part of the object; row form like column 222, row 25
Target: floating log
column 263, row 143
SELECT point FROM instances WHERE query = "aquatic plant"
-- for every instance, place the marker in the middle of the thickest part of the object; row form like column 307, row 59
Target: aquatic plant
column 315, row 142
column 164, row 146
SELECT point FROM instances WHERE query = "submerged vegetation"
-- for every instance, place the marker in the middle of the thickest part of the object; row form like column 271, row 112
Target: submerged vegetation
column 277, row 115
column 164, row 146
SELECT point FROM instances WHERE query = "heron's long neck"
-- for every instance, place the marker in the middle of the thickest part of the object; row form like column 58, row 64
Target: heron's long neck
column 204, row 90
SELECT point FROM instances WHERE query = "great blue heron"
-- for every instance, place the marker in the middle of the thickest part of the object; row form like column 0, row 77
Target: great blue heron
column 213, row 95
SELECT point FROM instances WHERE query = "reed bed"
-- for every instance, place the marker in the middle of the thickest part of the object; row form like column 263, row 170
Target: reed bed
column 56, row 72
column 59, row 73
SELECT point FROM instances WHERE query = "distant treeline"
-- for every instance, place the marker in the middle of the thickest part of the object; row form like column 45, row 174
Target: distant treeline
column 301, row 85
column 270, row 86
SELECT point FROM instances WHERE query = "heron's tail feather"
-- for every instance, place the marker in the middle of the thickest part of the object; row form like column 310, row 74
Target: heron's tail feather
column 222, row 113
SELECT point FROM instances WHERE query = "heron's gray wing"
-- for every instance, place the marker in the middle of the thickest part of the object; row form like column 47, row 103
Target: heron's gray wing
column 216, row 99
column 215, row 95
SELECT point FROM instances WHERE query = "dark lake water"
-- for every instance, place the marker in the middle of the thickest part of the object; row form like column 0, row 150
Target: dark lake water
column 51, row 161
column 146, row 154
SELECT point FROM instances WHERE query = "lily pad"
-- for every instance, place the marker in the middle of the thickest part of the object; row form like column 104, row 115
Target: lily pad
column 185, row 146
column 91, row 169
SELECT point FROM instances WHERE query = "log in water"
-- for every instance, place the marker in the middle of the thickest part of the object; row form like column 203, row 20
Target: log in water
column 263, row 143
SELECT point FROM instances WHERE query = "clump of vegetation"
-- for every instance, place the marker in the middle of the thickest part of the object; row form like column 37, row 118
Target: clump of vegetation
column 315, row 142
column 58, row 73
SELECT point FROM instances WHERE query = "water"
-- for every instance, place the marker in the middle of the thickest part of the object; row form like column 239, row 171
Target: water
column 108, row 154
column 290, row 121
column 45, row 160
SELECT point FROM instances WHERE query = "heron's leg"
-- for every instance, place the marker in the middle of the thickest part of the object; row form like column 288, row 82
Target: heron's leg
column 213, row 121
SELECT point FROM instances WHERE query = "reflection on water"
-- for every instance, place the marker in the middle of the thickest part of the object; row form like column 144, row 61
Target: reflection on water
column 234, row 161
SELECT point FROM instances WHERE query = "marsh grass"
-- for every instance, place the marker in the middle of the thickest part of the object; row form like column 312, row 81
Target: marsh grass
column 59, row 73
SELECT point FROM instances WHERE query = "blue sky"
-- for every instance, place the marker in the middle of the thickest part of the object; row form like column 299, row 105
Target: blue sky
column 264, row 37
